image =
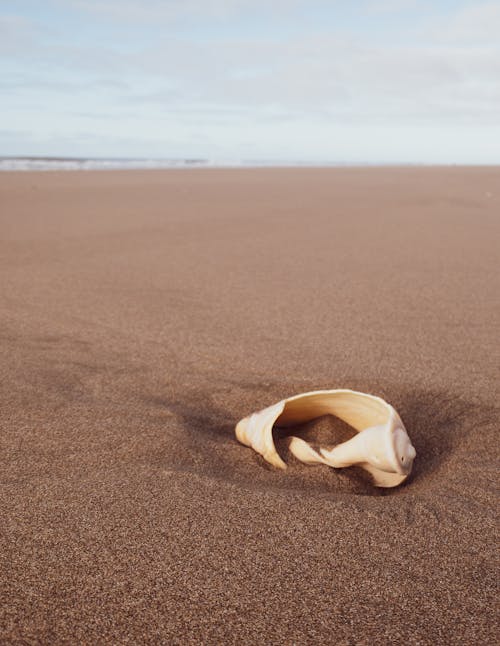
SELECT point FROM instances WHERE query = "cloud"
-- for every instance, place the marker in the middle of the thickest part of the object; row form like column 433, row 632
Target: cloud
column 478, row 23
column 438, row 71
column 16, row 33
column 323, row 74
column 390, row 6
column 172, row 11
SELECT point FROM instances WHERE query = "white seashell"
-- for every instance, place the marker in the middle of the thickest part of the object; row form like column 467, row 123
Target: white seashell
column 381, row 447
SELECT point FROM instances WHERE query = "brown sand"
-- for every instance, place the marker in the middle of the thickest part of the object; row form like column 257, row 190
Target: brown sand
column 144, row 313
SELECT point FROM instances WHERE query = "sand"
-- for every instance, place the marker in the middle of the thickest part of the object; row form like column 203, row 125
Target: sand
column 144, row 313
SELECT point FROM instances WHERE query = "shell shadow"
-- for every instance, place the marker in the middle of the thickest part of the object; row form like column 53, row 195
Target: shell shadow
column 437, row 423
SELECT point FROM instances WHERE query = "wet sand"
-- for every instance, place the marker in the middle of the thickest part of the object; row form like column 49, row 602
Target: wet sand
column 144, row 313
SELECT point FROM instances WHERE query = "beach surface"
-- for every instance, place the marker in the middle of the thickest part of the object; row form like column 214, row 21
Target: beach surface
column 144, row 313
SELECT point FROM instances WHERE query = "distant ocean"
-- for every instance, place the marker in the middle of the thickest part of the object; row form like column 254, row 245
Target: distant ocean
column 77, row 163
column 82, row 163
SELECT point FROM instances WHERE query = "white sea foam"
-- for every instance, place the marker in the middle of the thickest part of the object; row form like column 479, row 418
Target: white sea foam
column 52, row 163
column 41, row 163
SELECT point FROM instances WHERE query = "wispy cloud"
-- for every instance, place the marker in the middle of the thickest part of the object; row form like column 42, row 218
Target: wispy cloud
column 477, row 23
column 171, row 11
column 302, row 63
column 390, row 6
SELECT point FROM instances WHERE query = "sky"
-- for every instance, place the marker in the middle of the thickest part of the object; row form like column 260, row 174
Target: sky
column 359, row 81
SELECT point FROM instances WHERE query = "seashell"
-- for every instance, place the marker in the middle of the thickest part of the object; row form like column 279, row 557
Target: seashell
column 381, row 446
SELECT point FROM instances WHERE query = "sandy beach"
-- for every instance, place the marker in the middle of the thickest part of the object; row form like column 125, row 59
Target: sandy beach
column 144, row 313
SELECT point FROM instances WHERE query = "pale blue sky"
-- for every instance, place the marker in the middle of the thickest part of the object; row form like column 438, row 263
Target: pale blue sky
column 312, row 80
